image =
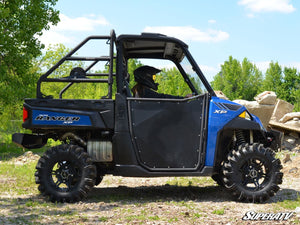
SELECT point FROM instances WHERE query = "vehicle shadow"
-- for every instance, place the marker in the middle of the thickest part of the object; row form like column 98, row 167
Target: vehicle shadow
column 166, row 193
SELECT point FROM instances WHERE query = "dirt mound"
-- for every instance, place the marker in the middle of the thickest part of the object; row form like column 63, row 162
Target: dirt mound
column 27, row 157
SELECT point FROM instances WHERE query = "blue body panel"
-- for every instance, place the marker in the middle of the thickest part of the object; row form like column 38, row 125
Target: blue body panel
column 218, row 117
column 40, row 117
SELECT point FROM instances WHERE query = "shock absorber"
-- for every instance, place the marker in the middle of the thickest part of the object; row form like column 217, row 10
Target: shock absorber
column 239, row 137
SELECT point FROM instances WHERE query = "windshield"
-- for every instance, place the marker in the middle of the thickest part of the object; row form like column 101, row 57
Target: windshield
column 193, row 76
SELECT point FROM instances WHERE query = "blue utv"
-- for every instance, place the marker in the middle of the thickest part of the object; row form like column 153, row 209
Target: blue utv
column 124, row 134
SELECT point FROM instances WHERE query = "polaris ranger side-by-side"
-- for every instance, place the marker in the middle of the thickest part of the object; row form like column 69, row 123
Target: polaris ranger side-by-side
column 123, row 135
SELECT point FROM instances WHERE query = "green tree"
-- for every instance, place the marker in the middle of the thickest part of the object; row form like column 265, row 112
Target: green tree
column 291, row 83
column 285, row 83
column 171, row 82
column 291, row 87
column 21, row 23
column 228, row 79
column 252, row 78
column 133, row 64
column 273, row 79
column 238, row 80
column 53, row 54
column 78, row 90
column 296, row 96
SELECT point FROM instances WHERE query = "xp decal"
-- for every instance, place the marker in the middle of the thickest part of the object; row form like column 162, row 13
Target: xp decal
column 55, row 118
column 220, row 111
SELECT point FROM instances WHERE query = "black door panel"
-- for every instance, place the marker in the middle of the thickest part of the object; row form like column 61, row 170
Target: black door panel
column 167, row 133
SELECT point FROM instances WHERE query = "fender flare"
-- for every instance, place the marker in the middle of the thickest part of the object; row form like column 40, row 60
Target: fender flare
column 243, row 124
column 225, row 135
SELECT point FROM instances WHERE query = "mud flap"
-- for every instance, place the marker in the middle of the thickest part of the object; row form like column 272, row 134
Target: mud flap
column 276, row 139
column 29, row 141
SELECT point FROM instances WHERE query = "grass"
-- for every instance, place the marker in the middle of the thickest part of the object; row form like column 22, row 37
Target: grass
column 289, row 204
column 281, row 155
column 17, row 179
column 172, row 220
column 190, row 181
column 143, row 216
column 103, row 219
column 219, row 211
column 135, row 217
column 153, row 218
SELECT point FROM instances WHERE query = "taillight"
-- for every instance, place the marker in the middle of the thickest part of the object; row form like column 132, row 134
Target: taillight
column 25, row 114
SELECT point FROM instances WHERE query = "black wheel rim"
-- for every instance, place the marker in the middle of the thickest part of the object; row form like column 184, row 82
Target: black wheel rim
column 255, row 174
column 65, row 176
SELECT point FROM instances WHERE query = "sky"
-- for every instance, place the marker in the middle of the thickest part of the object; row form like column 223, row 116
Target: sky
column 260, row 30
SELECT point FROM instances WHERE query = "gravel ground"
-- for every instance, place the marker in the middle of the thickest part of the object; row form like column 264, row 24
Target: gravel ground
column 121, row 200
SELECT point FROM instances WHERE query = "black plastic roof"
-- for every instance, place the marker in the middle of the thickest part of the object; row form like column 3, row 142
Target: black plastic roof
column 151, row 45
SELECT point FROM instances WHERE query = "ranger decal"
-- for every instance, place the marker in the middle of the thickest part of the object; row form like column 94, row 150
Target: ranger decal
column 41, row 117
column 58, row 118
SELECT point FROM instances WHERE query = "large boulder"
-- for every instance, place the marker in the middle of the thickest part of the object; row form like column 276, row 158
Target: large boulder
column 281, row 108
column 284, row 119
column 266, row 98
column 290, row 116
column 221, row 95
column 263, row 107
column 262, row 111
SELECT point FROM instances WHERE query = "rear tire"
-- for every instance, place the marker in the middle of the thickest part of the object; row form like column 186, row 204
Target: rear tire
column 99, row 176
column 252, row 173
column 65, row 173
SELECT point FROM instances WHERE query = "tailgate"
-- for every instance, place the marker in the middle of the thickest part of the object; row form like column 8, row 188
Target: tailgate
column 64, row 113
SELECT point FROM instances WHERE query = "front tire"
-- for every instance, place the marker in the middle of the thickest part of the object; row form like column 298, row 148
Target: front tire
column 65, row 173
column 218, row 178
column 252, row 173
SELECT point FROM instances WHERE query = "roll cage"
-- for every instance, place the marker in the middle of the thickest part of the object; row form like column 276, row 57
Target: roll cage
column 146, row 45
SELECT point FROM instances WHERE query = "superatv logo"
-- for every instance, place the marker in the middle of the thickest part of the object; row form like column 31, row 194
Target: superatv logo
column 267, row 216
column 57, row 118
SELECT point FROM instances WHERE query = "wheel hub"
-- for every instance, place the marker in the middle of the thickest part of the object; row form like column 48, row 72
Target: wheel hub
column 65, row 174
column 253, row 173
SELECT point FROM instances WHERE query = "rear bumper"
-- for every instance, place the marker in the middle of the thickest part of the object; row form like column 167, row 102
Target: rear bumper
column 29, row 141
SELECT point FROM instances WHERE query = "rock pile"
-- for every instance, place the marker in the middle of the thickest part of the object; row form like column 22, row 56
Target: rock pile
column 262, row 107
column 291, row 142
column 27, row 157
column 275, row 114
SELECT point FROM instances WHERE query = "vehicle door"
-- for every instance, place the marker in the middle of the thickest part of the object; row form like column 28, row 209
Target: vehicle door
column 170, row 134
